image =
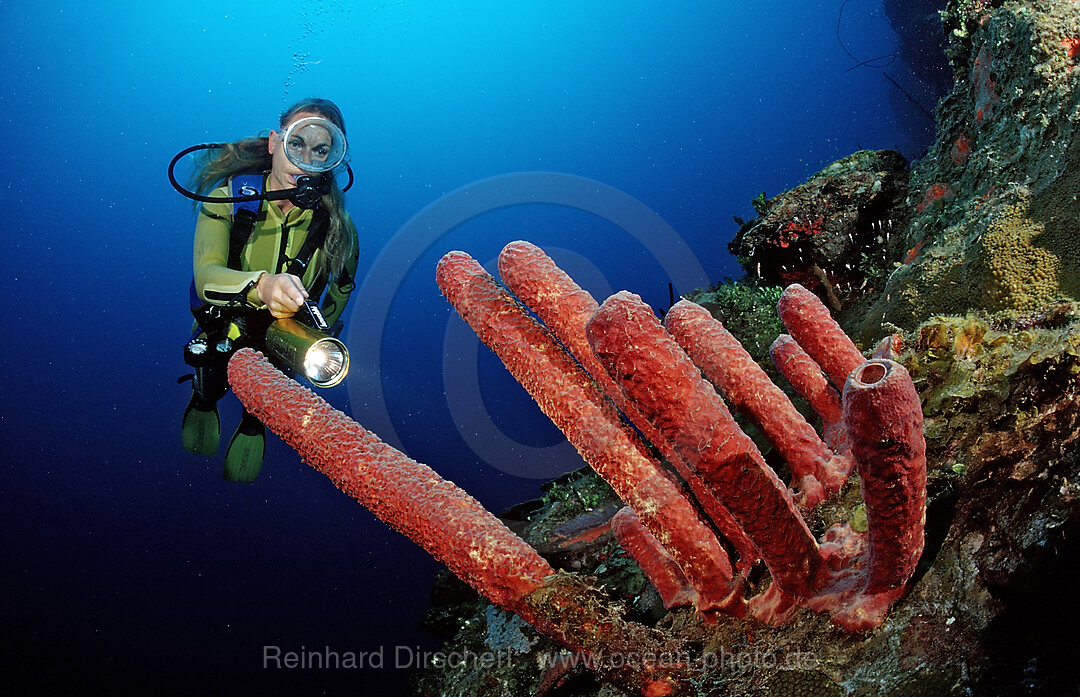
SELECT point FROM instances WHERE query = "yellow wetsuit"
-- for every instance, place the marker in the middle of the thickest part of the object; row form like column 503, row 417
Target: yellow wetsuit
column 275, row 239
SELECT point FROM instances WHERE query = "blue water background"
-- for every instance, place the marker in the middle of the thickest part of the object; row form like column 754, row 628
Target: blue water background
column 130, row 565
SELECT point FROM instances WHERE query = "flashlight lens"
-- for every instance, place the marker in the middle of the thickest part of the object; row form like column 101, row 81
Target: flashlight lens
column 326, row 363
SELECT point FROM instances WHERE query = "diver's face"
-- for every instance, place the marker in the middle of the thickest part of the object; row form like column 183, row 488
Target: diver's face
column 307, row 144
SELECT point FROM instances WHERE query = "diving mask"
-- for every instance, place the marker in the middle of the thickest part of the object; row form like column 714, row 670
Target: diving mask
column 315, row 144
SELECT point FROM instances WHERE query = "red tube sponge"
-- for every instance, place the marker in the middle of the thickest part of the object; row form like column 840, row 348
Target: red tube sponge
column 852, row 576
column 575, row 405
column 455, row 529
column 655, row 373
column 884, row 420
column 406, row 495
column 748, row 389
column 810, row 323
column 565, row 308
column 650, row 555
column 800, row 370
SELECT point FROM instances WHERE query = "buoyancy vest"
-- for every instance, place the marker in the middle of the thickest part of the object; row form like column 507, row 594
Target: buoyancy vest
column 223, row 321
column 244, row 216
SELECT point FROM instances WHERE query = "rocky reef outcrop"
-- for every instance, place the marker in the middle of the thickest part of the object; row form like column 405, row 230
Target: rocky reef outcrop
column 831, row 233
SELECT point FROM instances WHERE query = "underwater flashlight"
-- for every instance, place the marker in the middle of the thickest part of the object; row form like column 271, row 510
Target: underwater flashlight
column 322, row 359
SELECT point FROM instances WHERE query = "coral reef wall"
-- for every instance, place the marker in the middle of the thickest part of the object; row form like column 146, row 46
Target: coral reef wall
column 995, row 202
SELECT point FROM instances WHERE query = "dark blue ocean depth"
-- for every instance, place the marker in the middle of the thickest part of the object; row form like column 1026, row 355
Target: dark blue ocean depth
column 622, row 136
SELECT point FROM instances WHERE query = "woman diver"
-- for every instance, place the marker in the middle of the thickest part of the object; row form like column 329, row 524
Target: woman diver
column 272, row 236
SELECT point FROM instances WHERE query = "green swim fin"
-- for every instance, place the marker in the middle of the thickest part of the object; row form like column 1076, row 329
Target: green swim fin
column 200, row 431
column 243, row 459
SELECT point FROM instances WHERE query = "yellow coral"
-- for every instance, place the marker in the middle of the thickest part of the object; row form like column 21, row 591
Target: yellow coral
column 1026, row 259
column 1015, row 266
column 1030, row 254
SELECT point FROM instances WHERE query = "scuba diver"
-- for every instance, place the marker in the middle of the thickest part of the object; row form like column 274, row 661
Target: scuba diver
column 271, row 238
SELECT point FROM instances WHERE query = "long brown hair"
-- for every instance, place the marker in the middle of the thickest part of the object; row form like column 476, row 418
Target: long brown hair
column 252, row 155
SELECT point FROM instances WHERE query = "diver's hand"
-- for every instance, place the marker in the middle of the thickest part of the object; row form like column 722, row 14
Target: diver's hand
column 282, row 293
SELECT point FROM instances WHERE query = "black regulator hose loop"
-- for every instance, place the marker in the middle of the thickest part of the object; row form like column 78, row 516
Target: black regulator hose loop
column 306, row 195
